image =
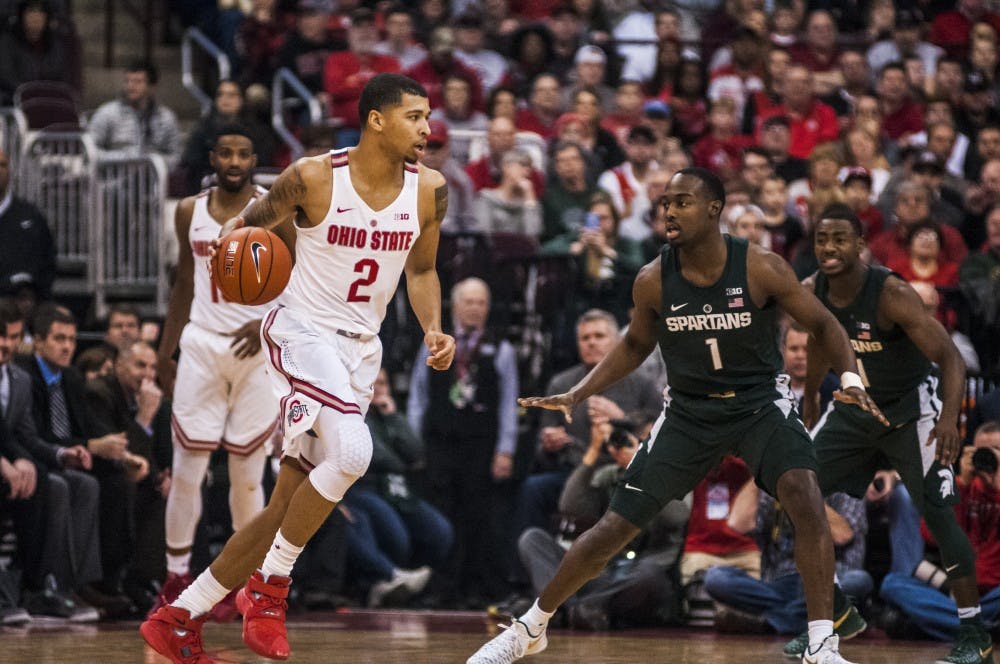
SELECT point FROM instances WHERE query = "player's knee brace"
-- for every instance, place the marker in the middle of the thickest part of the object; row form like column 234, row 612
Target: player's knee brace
column 956, row 553
column 346, row 461
column 246, row 496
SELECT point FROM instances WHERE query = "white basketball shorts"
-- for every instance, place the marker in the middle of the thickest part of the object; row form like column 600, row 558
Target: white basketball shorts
column 312, row 367
column 219, row 399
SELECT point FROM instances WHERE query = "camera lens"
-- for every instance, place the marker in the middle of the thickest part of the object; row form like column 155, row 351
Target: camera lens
column 984, row 460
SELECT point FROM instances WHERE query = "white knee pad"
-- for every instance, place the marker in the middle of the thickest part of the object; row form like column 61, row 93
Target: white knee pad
column 184, row 501
column 347, row 457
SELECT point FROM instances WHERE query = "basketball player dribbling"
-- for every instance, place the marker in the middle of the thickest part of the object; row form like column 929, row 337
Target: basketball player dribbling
column 224, row 395
column 362, row 216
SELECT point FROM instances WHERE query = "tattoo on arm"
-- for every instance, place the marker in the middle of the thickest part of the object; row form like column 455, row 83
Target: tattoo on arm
column 441, row 202
column 284, row 197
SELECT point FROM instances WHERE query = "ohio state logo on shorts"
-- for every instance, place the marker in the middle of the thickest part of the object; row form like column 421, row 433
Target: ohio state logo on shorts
column 296, row 411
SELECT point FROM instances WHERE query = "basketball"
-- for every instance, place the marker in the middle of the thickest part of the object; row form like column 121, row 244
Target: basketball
column 252, row 266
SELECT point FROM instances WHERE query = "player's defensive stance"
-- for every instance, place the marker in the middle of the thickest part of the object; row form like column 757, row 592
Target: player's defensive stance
column 712, row 303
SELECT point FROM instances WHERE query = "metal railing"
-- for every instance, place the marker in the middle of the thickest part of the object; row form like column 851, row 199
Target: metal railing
column 286, row 82
column 105, row 212
column 129, row 201
column 57, row 171
column 195, row 37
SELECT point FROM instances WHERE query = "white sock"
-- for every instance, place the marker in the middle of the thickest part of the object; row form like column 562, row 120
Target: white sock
column 202, row 595
column 819, row 630
column 281, row 558
column 179, row 564
column 968, row 612
column 536, row 619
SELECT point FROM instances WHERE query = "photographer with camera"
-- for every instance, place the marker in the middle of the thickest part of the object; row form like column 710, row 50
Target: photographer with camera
column 926, row 604
column 640, row 586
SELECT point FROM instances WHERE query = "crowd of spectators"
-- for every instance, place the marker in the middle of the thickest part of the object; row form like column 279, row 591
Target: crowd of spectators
column 557, row 125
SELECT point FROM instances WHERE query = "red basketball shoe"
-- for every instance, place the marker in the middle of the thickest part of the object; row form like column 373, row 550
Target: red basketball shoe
column 226, row 610
column 173, row 633
column 263, row 607
column 172, row 588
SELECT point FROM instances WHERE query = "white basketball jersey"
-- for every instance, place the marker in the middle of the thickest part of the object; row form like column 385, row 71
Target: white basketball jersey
column 348, row 266
column 210, row 309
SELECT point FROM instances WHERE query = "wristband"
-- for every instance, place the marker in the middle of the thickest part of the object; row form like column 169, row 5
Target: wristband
column 851, row 379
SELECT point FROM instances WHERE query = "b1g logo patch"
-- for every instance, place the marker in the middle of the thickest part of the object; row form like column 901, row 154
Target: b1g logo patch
column 296, row 411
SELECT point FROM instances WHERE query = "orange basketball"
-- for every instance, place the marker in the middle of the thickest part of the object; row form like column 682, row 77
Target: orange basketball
column 252, row 266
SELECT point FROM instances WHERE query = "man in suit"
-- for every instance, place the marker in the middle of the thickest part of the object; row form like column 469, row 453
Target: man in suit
column 20, row 498
column 133, row 484
column 60, row 416
column 71, row 502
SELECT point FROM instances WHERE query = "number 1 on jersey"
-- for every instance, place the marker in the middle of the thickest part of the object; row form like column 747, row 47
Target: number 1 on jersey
column 369, row 268
column 713, row 348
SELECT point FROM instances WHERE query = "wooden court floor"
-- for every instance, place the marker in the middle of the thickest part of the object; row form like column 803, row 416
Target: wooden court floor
column 366, row 637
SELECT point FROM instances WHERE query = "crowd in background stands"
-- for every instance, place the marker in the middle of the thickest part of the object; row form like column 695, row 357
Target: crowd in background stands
column 587, row 109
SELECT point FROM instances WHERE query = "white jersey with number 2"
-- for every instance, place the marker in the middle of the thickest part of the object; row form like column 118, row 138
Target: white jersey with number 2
column 209, row 309
column 348, row 266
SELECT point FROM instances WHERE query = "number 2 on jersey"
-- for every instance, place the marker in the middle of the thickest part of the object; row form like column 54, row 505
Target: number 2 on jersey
column 713, row 349
column 369, row 268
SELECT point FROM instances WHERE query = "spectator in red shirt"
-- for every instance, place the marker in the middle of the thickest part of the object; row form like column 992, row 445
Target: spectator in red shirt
column 710, row 541
column 901, row 115
column 721, row 151
column 913, row 207
column 544, row 106
column 441, row 63
column 258, row 41
column 924, row 261
column 950, row 30
column 485, row 172
column 819, row 52
column 811, row 122
column 347, row 72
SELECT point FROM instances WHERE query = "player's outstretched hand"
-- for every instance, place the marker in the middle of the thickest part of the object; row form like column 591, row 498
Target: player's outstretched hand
column 561, row 402
column 948, row 443
column 226, row 229
column 442, row 350
column 861, row 399
column 246, row 340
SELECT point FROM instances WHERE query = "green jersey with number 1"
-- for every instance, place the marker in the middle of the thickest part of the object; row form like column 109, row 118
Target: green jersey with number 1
column 715, row 341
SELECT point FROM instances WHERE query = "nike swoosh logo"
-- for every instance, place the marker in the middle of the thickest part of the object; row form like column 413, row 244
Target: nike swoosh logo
column 948, row 569
column 677, row 307
column 632, row 488
column 255, row 250
column 340, row 209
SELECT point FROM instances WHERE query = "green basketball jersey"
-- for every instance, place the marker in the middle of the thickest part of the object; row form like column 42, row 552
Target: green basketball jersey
column 891, row 365
column 715, row 341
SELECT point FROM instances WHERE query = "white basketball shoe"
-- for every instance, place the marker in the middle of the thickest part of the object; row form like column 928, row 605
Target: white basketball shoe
column 511, row 645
